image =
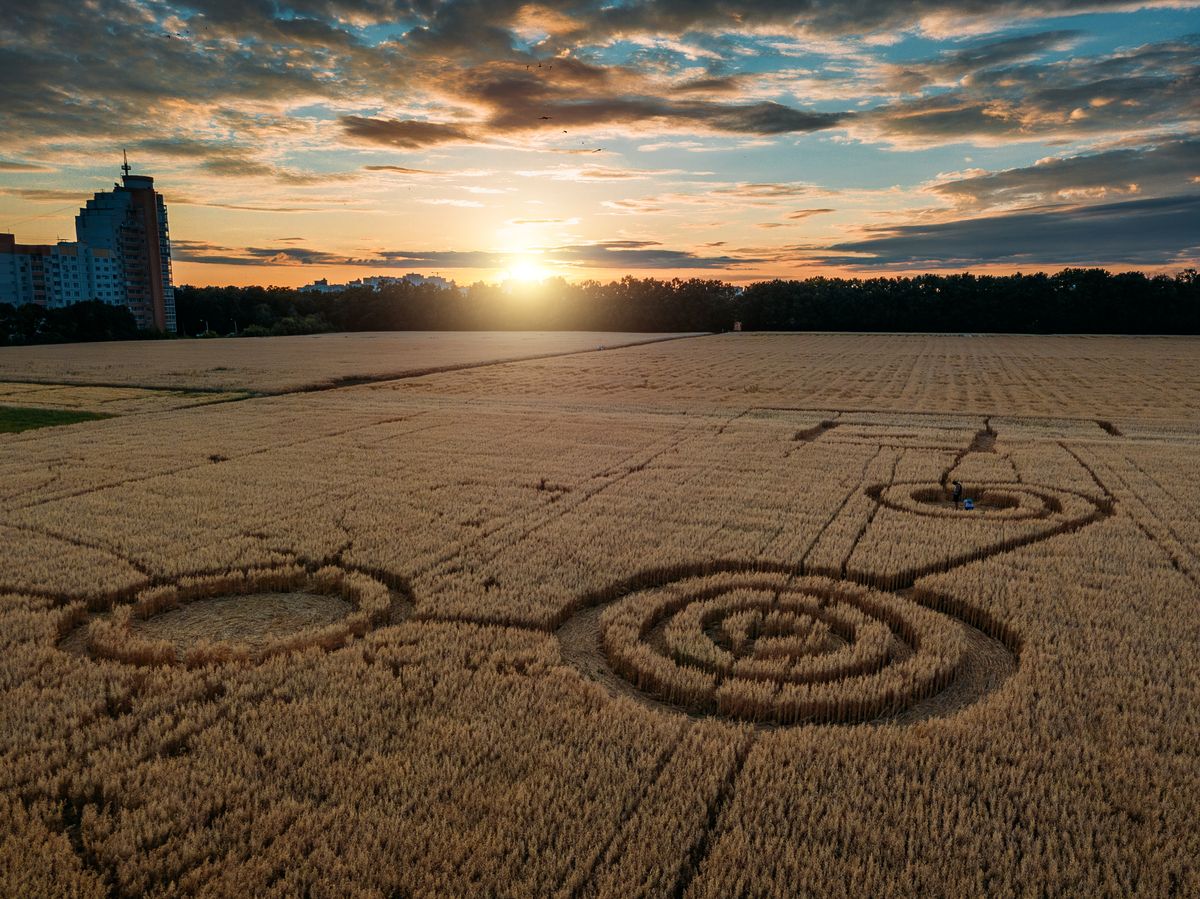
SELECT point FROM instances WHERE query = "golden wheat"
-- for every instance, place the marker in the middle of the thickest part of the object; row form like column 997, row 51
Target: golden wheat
column 592, row 645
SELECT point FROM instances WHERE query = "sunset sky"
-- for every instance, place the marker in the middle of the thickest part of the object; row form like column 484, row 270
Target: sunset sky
column 490, row 139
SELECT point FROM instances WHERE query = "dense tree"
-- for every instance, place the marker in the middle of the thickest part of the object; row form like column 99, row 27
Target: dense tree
column 1072, row 301
column 80, row 322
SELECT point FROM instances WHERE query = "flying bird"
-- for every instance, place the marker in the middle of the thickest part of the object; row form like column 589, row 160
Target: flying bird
column 546, row 118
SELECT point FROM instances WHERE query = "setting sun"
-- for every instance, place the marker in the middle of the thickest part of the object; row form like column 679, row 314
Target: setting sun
column 526, row 270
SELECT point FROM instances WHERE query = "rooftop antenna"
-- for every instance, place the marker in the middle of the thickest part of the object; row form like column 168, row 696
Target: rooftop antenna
column 125, row 167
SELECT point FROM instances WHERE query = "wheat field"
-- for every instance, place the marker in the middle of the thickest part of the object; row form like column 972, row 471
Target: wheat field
column 283, row 364
column 694, row 618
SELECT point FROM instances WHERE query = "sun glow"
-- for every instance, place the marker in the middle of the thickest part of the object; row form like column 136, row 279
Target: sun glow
column 526, row 271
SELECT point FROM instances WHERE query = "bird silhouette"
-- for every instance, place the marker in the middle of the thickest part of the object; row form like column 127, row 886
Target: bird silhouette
column 546, row 118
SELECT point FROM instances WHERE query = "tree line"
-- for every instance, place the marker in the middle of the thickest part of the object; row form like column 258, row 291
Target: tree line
column 1071, row 301
column 78, row 323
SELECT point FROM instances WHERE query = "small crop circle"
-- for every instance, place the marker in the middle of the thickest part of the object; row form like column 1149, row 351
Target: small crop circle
column 239, row 617
column 1005, row 502
column 807, row 650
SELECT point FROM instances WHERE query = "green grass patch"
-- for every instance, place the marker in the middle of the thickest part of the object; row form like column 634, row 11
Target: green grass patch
column 20, row 418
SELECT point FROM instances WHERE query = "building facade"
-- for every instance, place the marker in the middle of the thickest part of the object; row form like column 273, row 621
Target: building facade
column 130, row 221
column 121, row 256
column 57, row 275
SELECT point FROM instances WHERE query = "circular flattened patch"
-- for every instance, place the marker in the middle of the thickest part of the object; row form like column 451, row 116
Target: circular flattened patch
column 240, row 617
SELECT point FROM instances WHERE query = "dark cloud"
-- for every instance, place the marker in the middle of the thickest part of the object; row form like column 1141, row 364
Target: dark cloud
column 725, row 84
column 44, row 194
column 407, row 134
column 1156, row 85
column 399, row 170
column 578, row 94
column 955, row 64
column 637, row 254
column 1147, row 171
column 1158, row 231
column 225, row 60
column 614, row 254
column 7, row 165
column 766, row 190
column 484, row 27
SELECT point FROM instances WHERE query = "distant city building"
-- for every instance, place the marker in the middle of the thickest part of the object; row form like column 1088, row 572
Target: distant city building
column 121, row 256
column 378, row 282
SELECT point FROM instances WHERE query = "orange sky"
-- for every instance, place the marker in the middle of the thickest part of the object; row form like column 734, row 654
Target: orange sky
column 735, row 140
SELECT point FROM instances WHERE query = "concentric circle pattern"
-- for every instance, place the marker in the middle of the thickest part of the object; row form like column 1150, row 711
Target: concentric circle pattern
column 806, row 649
column 993, row 502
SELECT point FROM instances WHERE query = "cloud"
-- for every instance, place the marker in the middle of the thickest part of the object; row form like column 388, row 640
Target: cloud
column 1158, row 231
column 444, row 201
column 399, row 170
column 7, row 165
column 637, row 254
column 1155, row 85
column 45, row 194
column 635, row 206
column 599, row 20
column 406, row 134
column 952, row 65
column 610, row 254
column 770, row 190
column 569, row 94
column 596, row 173
column 1145, row 171
column 251, row 100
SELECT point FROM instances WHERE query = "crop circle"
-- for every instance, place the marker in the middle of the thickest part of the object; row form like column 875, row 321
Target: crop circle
column 241, row 617
column 1001, row 502
column 808, row 650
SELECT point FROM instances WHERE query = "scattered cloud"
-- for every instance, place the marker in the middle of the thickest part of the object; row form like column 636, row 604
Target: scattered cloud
column 314, row 105
column 399, row 170
column 1154, row 85
column 9, row 165
column 43, row 194
column 609, row 254
column 1146, row 171
column 445, row 201
column 1159, row 231
column 406, row 134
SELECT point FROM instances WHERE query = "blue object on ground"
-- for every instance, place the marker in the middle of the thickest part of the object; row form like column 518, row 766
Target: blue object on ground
column 968, row 504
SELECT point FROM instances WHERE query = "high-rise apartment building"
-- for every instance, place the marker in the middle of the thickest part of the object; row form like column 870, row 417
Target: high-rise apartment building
column 130, row 221
column 122, row 256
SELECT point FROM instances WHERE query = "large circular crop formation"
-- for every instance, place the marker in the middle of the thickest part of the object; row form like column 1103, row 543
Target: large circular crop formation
column 786, row 651
column 240, row 617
